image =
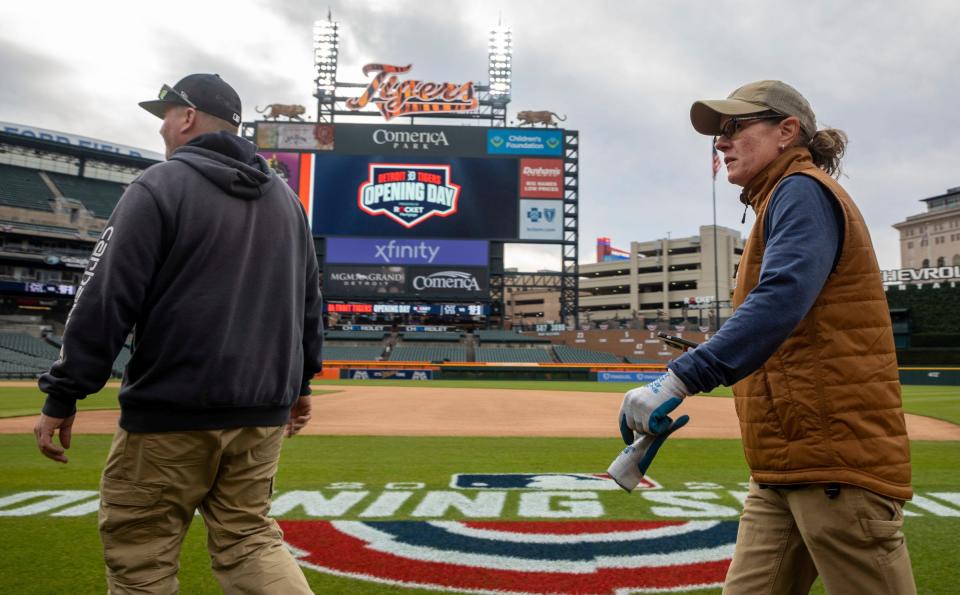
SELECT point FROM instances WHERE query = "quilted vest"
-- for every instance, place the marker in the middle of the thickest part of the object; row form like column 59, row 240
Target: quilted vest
column 825, row 407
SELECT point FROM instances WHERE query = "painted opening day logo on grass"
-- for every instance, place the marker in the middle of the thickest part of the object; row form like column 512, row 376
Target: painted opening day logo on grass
column 559, row 537
column 518, row 556
column 491, row 556
column 408, row 193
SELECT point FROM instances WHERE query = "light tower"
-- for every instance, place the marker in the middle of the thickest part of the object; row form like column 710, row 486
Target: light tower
column 326, row 47
column 500, row 68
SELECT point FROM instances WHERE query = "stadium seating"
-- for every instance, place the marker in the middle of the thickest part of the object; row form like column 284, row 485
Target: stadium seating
column 632, row 359
column 123, row 358
column 28, row 345
column 14, row 364
column 354, row 335
column 22, row 187
column 576, row 355
column 419, row 353
column 99, row 196
column 497, row 336
column 337, row 353
column 21, row 226
column 507, row 355
column 431, row 336
column 22, row 355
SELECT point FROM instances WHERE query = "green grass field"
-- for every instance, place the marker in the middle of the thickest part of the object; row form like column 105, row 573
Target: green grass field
column 43, row 553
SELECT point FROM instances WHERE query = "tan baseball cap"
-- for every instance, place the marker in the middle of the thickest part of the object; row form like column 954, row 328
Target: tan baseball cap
column 751, row 98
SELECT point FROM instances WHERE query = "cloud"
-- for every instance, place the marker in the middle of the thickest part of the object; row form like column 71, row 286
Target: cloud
column 624, row 74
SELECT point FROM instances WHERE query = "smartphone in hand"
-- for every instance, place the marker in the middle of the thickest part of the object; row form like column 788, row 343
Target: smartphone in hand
column 677, row 342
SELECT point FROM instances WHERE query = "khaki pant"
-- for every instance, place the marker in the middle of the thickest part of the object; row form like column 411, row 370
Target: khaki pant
column 788, row 536
column 151, row 487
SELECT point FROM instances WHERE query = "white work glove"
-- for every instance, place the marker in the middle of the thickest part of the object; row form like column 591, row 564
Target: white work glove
column 633, row 461
column 646, row 409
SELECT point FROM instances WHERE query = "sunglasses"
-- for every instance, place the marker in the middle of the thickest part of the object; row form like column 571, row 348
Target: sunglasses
column 166, row 91
column 734, row 125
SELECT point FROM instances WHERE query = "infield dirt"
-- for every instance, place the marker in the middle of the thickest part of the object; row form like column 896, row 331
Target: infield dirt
column 420, row 411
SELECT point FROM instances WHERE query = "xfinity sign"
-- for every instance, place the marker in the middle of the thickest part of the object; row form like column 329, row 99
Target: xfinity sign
column 393, row 251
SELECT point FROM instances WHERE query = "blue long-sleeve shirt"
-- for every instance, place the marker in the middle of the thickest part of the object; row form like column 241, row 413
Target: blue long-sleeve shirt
column 803, row 231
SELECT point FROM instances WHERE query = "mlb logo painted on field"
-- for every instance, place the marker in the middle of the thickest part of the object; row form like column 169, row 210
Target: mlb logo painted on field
column 519, row 557
column 542, row 481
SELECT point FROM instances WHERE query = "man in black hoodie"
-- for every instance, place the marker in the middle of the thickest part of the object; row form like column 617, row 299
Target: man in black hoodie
column 209, row 259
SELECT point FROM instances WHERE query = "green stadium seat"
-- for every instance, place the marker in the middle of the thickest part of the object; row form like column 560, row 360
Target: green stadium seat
column 498, row 336
column 422, row 353
column 437, row 336
column 336, row 353
column 576, row 355
column 98, row 196
column 507, row 355
column 22, row 187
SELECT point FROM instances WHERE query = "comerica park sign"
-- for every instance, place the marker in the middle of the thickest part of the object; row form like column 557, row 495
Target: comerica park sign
column 921, row 276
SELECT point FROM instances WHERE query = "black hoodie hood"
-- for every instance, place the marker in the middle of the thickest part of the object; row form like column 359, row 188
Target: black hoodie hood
column 228, row 161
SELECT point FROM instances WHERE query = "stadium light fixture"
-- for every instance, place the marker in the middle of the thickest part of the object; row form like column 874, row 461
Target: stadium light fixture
column 500, row 62
column 326, row 48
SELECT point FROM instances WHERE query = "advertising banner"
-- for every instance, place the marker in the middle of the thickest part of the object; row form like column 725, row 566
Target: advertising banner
column 428, row 197
column 378, row 374
column 524, row 141
column 428, row 283
column 541, row 219
column 541, row 178
column 391, row 251
column 287, row 166
column 628, row 376
column 303, row 136
column 364, row 281
column 372, row 139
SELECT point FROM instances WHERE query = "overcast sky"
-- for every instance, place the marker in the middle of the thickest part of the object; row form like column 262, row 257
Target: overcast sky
column 624, row 73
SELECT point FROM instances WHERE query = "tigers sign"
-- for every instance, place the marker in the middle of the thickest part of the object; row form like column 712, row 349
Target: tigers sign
column 395, row 97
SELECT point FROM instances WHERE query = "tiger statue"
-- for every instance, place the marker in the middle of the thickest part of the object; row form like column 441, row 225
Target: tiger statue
column 292, row 112
column 544, row 117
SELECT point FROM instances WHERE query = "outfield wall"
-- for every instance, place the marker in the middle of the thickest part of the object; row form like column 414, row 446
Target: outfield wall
column 580, row 372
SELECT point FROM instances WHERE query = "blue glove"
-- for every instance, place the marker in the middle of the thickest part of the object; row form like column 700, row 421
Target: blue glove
column 646, row 410
column 633, row 461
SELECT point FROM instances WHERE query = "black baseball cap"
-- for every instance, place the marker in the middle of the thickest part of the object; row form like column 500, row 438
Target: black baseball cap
column 205, row 92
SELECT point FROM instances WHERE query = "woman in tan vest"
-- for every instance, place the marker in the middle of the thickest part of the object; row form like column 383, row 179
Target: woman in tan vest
column 810, row 354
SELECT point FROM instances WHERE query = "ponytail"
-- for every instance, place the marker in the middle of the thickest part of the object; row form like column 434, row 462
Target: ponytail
column 827, row 148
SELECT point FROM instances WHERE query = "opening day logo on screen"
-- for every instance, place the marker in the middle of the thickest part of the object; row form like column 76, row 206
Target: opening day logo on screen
column 524, row 142
column 408, row 194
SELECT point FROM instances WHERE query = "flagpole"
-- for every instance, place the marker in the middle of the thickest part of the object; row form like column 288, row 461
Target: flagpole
column 716, row 256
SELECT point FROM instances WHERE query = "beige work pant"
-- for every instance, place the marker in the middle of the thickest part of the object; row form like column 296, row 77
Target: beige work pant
column 154, row 482
column 787, row 537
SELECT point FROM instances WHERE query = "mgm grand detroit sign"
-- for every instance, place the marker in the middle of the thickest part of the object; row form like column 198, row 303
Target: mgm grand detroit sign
column 933, row 277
